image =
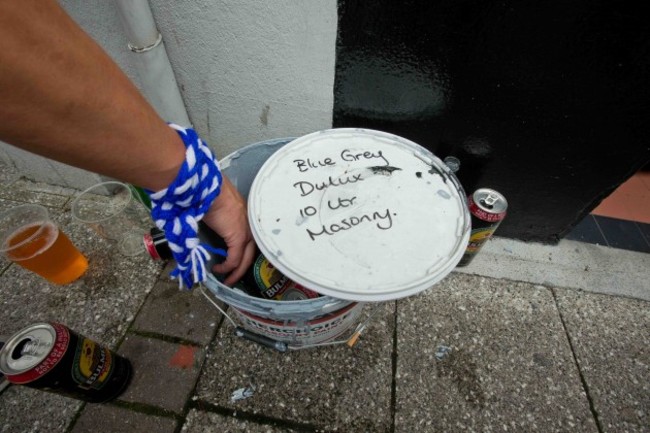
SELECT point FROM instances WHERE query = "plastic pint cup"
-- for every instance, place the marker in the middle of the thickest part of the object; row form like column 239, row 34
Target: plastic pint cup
column 29, row 238
column 113, row 212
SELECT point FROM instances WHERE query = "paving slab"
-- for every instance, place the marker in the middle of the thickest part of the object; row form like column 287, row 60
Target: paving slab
column 26, row 410
column 180, row 313
column 203, row 422
column 611, row 340
column 113, row 419
column 8, row 173
column 164, row 373
column 486, row 355
column 26, row 191
column 4, row 262
column 332, row 388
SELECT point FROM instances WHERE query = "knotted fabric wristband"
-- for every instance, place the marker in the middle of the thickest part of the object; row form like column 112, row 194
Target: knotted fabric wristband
column 178, row 209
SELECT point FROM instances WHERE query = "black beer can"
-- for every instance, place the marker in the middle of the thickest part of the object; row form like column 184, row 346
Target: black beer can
column 156, row 244
column 264, row 280
column 51, row 357
column 488, row 208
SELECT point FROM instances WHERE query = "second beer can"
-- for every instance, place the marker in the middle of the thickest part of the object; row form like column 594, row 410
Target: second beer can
column 487, row 208
column 264, row 280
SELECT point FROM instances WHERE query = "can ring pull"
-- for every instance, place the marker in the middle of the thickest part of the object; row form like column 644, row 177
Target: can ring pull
column 490, row 199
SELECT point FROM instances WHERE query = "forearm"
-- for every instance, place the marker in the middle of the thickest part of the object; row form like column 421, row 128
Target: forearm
column 62, row 97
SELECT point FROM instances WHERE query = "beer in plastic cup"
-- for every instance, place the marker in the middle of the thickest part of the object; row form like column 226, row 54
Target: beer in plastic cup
column 29, row 238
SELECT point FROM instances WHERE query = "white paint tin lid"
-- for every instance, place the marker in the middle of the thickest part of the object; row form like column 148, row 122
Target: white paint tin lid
column 359, row 214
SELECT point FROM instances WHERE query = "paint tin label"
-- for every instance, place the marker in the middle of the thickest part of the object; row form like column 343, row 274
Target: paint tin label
column 314, row 331
column 339, row 211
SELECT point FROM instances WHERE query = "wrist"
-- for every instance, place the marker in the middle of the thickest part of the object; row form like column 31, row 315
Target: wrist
column 166, row 166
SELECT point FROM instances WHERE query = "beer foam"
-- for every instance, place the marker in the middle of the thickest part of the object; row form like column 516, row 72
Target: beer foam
column 30, row 240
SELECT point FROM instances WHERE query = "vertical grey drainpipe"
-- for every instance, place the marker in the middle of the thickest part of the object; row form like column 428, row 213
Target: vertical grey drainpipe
column 156, row 75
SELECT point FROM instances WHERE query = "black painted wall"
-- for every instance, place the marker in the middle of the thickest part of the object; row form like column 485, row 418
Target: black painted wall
column 545, row 101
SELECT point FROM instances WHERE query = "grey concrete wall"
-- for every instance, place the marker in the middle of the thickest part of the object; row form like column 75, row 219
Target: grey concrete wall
column 247, row 70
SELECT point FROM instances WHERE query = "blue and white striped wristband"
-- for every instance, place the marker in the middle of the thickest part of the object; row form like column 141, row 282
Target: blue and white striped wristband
column 177, row 209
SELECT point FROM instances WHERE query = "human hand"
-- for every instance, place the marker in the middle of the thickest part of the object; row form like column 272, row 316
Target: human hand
column 228, row 218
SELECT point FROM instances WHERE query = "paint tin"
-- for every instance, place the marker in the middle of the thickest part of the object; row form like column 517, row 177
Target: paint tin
column 300, row 323
column 306, row 332
column 358, row 214
column 51, row 357
column 488, row 208
column 430, row 234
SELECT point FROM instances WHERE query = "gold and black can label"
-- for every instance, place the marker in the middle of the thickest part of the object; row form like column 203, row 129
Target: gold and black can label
column 266, row 281
column 488, row 209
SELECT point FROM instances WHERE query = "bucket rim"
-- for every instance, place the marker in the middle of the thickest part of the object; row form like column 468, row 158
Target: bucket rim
column 274, row 309
column 437, row 270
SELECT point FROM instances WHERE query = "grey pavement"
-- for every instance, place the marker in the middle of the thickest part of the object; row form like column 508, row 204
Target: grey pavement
column 528, row 338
